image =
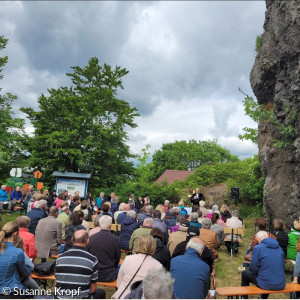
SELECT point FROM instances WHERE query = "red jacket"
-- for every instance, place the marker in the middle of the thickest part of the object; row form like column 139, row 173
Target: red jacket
column 29, row 242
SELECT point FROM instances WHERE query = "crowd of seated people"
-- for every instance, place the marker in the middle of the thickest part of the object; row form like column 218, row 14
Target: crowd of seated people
column 162, row 241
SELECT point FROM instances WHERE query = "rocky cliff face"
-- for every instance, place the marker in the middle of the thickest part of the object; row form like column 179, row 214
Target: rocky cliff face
column 275, row 80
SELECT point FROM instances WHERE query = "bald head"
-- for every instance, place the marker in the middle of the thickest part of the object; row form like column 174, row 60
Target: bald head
column 80, row 238
column 126, row 207
column 53, row 211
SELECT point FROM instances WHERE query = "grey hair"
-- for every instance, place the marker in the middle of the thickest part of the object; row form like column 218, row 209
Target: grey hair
column 149, row 209
column 177, row 210
column 206, row 223
column 131, row 214
column 105, row 222
column 101, row 194
column 215, row 207
column 262, row 234
column 2, row 186
column 158, row 284
column 194, row 216
column 198, row 246
column 96, row 221
column 39, row 204
column 235, row 213
column 148, row 221
column 172, row 211
column 166, row 202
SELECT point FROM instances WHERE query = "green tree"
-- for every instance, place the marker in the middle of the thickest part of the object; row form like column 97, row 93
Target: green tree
column 182, row 155
column 82, row 128
column 12, row 129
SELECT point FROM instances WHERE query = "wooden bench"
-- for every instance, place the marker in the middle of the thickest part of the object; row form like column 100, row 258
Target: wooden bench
column 91, row 225
column 231, row 291
column 45, row 278
column 233, row 231
column 116, row 228
column 19, row 209
column 109, row 284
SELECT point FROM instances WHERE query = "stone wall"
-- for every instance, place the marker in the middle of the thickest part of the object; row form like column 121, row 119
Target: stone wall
column 275, row 80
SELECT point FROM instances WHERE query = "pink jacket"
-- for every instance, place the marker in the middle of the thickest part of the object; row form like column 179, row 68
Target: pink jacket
column 58, row 202
column 128, row 268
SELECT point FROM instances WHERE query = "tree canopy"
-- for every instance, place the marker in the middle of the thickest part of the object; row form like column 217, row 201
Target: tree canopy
column 82, row 128
column 11, row 133
column 183, row 155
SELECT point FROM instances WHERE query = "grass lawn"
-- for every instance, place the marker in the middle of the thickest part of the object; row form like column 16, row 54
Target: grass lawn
column 226, row 268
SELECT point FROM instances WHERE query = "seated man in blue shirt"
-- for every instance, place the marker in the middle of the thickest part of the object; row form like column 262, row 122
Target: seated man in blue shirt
column 267, row 265
column 191, row 273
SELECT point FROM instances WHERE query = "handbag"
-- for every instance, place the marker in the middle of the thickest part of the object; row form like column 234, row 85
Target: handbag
column 132, row 277
column 44, row 269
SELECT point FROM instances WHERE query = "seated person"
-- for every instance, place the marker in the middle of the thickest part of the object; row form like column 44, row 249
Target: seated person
column 28, row 238
column 214, row 208
column 225, row 212
column 128, row 226
column 297, row 265
column 13, row 269
column 209, row 237
column 162, row 253
column 143, row 215
column 203, row 209
column 191, row 273
column 183, row 211
column 261, row 224
column 36, row 214
column 144, row 230
column 106, row 247
column 158, row 284
column 206, row 255
column 105, row 211
column 174, row 212
column 293, row 239
column 123, row 214
column 233, row 222
column 180, row 220
column 281, row 235
column 267, row 261
column 80, row 262
column 96, row 225
column 194, row 220
column 218, row 229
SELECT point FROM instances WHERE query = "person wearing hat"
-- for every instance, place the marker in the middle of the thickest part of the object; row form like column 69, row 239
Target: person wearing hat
column 178, row 236
column 206, row 255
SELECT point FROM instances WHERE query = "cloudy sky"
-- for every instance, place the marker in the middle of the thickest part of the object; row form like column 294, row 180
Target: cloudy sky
column 186, row 60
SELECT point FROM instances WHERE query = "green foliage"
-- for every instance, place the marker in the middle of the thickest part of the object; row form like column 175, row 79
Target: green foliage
column 12, row 129
column 258, row 43
column 244, row 174
column 258, row 113
column 182, row 155
column 251, row 212
column 82, row 128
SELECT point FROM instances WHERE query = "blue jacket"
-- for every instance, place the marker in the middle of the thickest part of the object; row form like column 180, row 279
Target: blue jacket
column 35, row 215
column 191, row 274
column 196, row 224
column 163, row 227
column 13, row 269
column 15, row 195
column 170, row 222
column 127, row 227
column 268, row 264
column 3, row 195
column 99, row 202
column 121, row 217
column 183, row 210
column 114, row 207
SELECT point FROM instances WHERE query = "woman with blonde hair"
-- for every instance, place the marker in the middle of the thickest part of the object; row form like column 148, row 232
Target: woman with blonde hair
column 13, row 269
column 160, row 207
column 135, row 267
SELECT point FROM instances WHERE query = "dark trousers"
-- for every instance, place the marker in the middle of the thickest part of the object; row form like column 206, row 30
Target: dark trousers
column 99, row 294
column 248, row 277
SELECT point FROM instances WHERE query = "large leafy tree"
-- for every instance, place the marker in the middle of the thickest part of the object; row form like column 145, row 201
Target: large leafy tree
column 82, row 128
column 183, row 155
column 11, row 132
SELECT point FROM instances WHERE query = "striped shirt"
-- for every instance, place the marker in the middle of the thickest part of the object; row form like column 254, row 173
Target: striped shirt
column 75, row 269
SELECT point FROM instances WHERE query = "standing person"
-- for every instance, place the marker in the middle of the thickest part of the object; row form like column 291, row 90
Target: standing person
column 266, row 269
column 191, row 273
column 60, row 198
column 13, row 269
column 131, row 200
column 196, row 197
column 100, row 200
column 106, row 247
column 48, row 235
column 16, row 198
column 3, row 199
column 51, row 198
column 80, row 262
column 139, row 203
column 147, row 199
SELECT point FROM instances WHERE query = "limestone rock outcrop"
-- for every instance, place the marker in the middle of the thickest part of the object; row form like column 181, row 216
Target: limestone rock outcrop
column 275, row 80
